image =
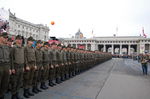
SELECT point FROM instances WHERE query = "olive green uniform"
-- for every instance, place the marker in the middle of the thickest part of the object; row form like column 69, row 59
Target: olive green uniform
column 45, row 71
column 5, row 63
column 17, row 55
column 39, row 64
column 51, row 66
column 30, row 60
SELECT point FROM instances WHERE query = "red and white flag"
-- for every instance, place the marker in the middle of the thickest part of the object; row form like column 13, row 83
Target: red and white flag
column 144, row 33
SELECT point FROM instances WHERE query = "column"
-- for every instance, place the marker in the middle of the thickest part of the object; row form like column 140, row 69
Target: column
column 96, row 46
column 138, row 49
column 148, row 48
column 120, row 49
column 129, row 47
column 93, row 47
column 112, row 49
column 104, row 48
column 85, row 46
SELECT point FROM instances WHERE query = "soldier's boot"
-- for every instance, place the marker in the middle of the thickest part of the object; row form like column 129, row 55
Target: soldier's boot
column 57, row 80
column 34, row 90
column 38, row 89
column 42, row 86
column 2, row 97
column 25, row 94
column 50, row 83
column 18, row 96
column 62, row 78
column 53, row 82
column 13, row 96
column 73, row 73
column 30, row 93
column 67, row 76
column 45, row 86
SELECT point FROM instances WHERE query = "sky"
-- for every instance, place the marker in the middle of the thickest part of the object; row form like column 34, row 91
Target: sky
column 104, row 17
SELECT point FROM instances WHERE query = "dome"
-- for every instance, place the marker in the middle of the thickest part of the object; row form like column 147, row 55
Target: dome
column 79, row 34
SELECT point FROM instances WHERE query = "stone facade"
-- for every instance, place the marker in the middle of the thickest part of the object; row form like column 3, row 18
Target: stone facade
column 113, row 44
column 26, row 29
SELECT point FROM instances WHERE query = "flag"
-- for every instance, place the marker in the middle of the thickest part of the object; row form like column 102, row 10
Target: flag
column 92, row 31
column 92, row 34
column 116, row 29
column 144, row 33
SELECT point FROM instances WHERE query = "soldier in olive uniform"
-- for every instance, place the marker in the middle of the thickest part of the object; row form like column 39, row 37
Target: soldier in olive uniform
column 17, row 56
column 30, row 67
column 58, row 64
column 54, row 61
column 9, row 42
column 51, row 66
column 39, row 64
column 61, row 63
column 5, row 63
column 64, row 73
column 45, row 70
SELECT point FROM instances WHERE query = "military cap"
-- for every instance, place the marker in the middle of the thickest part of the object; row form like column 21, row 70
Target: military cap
column 4, row 34
column 59, row 45
column 46, row 43
column 30, row 39
column 53, row 43
column 10, row 40
column 63, row 46
column 39, row 42
column 19, row 37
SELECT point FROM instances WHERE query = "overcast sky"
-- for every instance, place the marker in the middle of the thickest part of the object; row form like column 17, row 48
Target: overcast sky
column 101, row 16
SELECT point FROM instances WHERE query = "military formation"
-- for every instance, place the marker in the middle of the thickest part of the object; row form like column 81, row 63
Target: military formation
column 31, row 68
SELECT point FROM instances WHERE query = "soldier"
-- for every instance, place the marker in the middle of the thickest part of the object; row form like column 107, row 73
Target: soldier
column 30, row 67
column 54, row 61
column 45, row 70
column 9, row 42
column 51, row 66
column 62, row 63
column 5, row 63
column 65, row 71
column 58, row 64
column 39, row 64
column 17, row 56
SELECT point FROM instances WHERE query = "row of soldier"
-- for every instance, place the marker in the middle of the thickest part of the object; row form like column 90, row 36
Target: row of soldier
column 30, row 68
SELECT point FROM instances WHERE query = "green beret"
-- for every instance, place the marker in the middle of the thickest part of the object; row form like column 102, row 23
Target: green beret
column 39, row 42
column 4, row 34
column 10, row 40
column 19, row 37
column 46, row 43
column 30, row 39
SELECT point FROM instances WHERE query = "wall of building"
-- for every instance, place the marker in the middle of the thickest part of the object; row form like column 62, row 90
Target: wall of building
column 26, row 29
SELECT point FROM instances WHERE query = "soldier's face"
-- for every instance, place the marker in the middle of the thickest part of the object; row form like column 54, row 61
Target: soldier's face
column 9, row 43
column 19, row 41
column 46, row 46
column 4, row 40
column 30, row 42
column 39, row 45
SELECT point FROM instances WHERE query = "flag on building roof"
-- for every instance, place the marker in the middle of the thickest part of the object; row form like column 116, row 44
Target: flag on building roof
column 144, row 32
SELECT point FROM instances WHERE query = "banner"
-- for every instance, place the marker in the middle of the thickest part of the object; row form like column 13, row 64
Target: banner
column 54, row 41
column 81, row 46
column 4, row 20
